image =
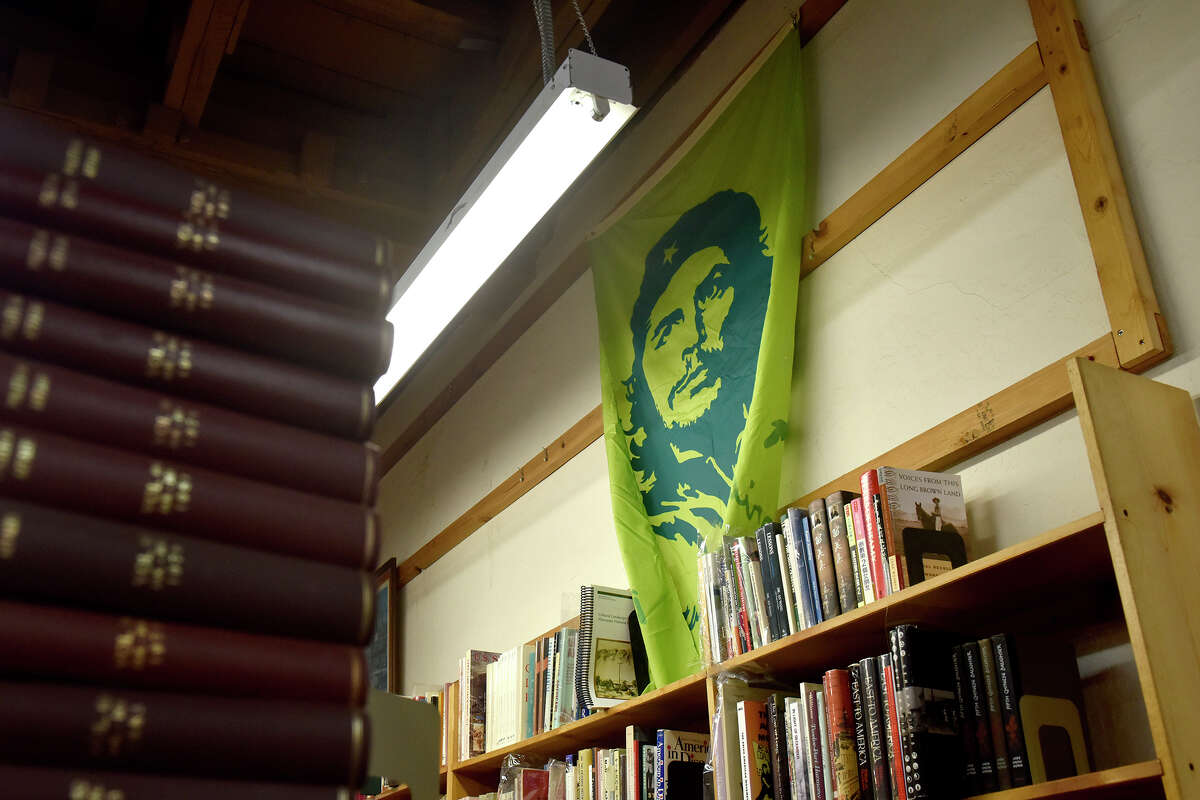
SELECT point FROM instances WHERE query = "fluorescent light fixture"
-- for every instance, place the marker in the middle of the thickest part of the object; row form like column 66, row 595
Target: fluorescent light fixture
column 574, row 116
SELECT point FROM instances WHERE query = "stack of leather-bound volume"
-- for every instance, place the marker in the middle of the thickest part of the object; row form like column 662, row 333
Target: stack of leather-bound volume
column 187, row 529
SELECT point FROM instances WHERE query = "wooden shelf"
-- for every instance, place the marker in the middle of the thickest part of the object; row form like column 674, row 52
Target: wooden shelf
column 680, row 705
column 1065, row 568
column 1142, row 781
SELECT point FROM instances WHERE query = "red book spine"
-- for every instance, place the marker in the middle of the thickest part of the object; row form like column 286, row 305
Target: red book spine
column 83, row 647
column 156, row 291
column 195, row 369
column 39, row 783
column 39, row 144
column 843, row 755
column 899, row 784
column 121, row 568
column 66, row 473
column 891, row 538
column 64, row 401
column 219, row 737
column 869, row 483
column 192, row 235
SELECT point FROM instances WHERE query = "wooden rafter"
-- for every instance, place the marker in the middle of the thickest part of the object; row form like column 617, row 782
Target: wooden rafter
column 211, row 32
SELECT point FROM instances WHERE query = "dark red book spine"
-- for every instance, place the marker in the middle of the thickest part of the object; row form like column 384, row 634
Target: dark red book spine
column 39, row 144
column 52, row 643
column 191, row 234
column 40, row 783
column 218, row 737
column 120, row 568
column 843, row 754
column 133, row 285
column 67, row 473
column 195, row 369
column 869, row 483
column 64, row 401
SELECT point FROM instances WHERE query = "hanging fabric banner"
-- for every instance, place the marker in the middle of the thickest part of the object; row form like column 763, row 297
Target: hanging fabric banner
column 696, row 290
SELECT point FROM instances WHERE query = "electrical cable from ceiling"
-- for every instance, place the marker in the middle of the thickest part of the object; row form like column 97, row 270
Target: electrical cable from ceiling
column 544, row 15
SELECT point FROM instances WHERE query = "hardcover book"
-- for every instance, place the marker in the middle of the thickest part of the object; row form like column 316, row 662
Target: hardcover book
column 876, row 713
column 727, row 764
column 995, row 717
column 672, row 746
column 843, row 755
column 755, row 747
column 472, row 701
column 843, row 563
column 920, row 499
column 823, row 553
column 865, row 571
column 967, row 721
column 861, row 748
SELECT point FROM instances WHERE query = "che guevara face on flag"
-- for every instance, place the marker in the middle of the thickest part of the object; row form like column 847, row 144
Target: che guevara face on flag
column 697, row 326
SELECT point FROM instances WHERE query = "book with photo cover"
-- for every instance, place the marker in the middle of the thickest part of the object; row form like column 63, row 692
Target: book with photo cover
column 931, row 501
column 604, row 666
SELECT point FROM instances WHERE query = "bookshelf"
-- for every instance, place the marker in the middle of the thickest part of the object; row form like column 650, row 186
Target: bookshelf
column 1130, row 565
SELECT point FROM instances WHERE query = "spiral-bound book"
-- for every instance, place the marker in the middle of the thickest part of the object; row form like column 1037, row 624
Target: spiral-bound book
column 604, row 667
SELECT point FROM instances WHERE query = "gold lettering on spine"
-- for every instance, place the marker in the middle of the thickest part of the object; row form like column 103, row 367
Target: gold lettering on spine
column 91, row 162
column 118, row 727
column 80, row 789
column 73, row 157
column 176, row 426
column 70, row 195
column 39, row 247
column 14, row 309
column 168, row 358
column 40, row 393
column 10, row 531
column 32, row 328
column 191, row 289
column 167, row 492
column 26, row 453
column 138, row 644
column 6, row 450
column 17, row 385
column 48, row 196
column 158, row 563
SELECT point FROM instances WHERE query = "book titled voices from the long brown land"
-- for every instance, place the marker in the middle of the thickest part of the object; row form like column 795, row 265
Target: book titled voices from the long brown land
column 64, row 401
column 158, row 291
column 194, row 369
column 922, row 500
column 161, row 732
column 127, row 569
column 53, row 470
column 83, row 647
column 80, row 206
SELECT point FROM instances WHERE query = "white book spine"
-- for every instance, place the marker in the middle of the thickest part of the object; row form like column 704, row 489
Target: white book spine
column 744, row 750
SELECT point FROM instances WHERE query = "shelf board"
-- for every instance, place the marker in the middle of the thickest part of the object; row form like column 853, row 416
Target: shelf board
column 1142, row 780
column 1000, row 592
column 682, row 704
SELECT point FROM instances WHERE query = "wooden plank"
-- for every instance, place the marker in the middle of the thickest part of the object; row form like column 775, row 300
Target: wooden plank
column 316, row 158
column 536, row 470
column 1103, row 197
column 1143, row 443
column 1140, row 781
column 421, row 20
column 210, row 32
column 1014, row 409
column 1002, row 94
column 30, row 80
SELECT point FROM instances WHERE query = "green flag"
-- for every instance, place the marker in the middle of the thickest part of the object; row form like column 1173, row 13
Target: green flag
column 696, row 294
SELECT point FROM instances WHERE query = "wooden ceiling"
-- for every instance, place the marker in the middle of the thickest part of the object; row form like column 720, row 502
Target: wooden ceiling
column 377, row 112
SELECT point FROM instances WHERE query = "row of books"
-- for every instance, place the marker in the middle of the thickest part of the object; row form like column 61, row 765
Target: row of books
column 536, row 687
column 841, row 553
column 931, row 718
column 187, row 529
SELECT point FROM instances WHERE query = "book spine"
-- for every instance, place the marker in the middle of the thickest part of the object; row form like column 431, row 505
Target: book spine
column 865, row 571
column 891, row 533
column 798, row 755
column 826, row 575
column 102, row 728
column 793, row 531
column 527, row 693
column 903, row 639
column 123, row 569
column 995, row 716
column 852, row 536
column 881, row 787
column 811, row 562
column 194, row 369
column 783, row 548
column 80, row 206
column 816, row 745
column 879, row 543
column 966, row 716
column 40, row 144
column 887, row 677
column 85, row 647
column 842, row 752
column 660, row 755
column 777, row 756
column 978, row 701
column 1010, row 697
column 737, row 588
column 57, row 471
column 758, row 593
column 768, row 561
column 869, row 484
column 729, row 608
column 74, row 404
column 583, row 672
column 840, row 548
column 155, row 291
column 862, row 750
column 827, row 755
column 34, row 783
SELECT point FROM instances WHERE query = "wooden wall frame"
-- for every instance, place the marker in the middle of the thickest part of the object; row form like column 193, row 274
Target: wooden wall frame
column 386, row 622
column 1138, row 339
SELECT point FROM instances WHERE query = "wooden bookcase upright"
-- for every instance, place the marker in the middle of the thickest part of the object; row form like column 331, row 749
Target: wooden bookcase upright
column 1142, row 546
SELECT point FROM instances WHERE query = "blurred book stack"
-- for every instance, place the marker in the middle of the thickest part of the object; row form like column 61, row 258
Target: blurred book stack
column 187, row 523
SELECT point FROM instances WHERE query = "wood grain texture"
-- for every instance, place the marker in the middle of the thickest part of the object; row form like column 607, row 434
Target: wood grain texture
column 1014, row 409
column 210, row 32
column 1002, row 94
column 1143, row 443
column 1103, row 197
column 536, row 470
column 1140, row 781
column 30, row 78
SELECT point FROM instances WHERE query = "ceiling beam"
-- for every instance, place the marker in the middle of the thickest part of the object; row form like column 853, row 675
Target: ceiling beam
column 211, row 32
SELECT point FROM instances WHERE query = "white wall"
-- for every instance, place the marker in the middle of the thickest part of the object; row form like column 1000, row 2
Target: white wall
column 980, row 277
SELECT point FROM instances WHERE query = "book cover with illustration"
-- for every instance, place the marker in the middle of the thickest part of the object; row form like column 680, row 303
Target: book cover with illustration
column 924, row 500
column 675, row 746
column 755, row 740
column 605, row 655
